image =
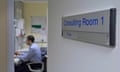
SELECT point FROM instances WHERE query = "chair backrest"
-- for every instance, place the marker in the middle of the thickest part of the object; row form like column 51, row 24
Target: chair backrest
column 36, row 67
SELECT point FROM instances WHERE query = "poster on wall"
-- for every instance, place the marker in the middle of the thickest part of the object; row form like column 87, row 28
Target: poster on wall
column 39, row 25
column 94, row 27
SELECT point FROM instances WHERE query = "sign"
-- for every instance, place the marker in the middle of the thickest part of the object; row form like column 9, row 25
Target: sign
column 95, row 27
column 38, row 23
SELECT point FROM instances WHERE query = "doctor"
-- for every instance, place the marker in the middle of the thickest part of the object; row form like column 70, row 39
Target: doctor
column 33, row 56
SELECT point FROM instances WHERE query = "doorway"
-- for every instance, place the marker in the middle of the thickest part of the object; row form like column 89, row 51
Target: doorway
column 27, row 16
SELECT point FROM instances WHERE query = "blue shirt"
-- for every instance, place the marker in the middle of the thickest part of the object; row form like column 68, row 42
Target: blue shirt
column 34, row 54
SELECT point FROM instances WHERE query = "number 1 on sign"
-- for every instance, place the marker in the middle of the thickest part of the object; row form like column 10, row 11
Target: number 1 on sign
column 102, row 18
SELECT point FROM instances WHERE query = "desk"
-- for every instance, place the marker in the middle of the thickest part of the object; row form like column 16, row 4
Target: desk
column 16, row 61
column 23, row 50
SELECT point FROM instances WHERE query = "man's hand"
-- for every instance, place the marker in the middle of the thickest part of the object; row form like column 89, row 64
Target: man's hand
column 15, row 56
column 17, row 53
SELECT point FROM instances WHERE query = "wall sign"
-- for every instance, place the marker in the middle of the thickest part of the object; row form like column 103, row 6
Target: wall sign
column 95, row 27
column 38, row 23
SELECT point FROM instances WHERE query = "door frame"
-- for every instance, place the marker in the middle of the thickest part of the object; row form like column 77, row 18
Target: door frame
column 10, row 35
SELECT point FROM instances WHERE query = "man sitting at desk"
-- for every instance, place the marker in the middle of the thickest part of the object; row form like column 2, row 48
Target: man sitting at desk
column 33, row 56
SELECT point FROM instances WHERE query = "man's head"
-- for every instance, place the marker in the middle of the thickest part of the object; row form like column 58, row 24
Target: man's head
column 30, row 40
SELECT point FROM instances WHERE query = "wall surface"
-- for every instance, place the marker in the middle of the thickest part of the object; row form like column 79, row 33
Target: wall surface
column 33, row 9
column 74, row 56
column 3, row 35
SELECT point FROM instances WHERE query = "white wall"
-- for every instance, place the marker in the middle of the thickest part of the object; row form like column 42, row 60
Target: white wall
column 74, row 56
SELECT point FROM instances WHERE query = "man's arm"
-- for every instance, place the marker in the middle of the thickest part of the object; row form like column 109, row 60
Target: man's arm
column 17, row 53
column 27, row 56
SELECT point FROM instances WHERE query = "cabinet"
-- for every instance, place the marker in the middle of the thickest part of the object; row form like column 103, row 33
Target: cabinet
column 19, row 10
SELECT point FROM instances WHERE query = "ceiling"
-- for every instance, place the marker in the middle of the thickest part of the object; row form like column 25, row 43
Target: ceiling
column 35, row 0
column 31, row 0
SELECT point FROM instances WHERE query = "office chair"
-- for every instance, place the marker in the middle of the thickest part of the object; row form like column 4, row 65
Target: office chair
column 36, row 67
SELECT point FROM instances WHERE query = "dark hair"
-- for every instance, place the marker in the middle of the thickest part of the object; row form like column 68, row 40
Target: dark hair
column 31, row 38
